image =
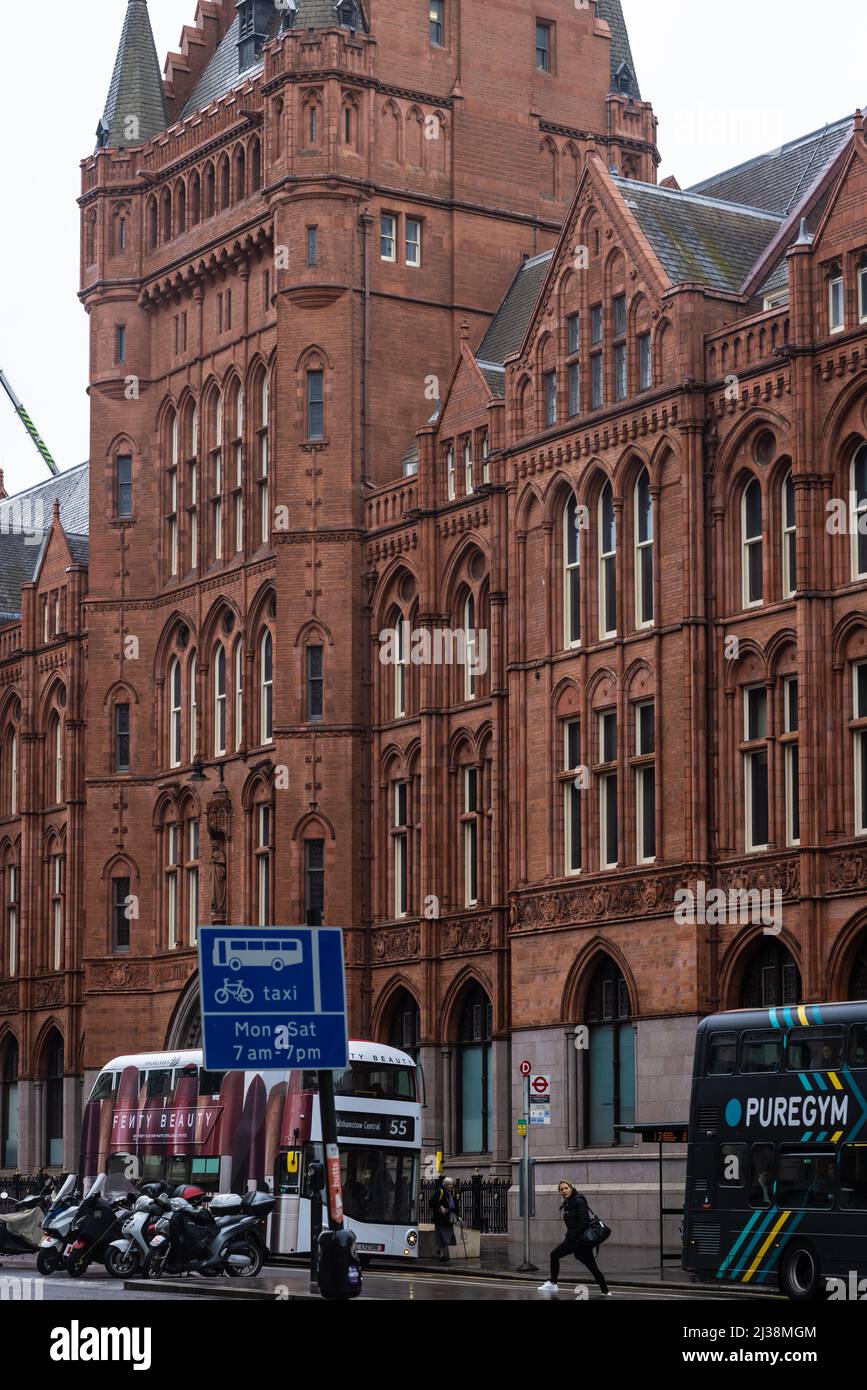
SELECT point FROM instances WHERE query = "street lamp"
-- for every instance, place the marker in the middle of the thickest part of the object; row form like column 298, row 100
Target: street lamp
column 199, row 773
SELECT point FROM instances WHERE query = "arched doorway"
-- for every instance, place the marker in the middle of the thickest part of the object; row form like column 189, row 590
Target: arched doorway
column 9, row 1104
column 404, row 1023
column 185, row 1030
column 609, row 1061
column 771, row 978
column 474, row 1109
column 858, row 975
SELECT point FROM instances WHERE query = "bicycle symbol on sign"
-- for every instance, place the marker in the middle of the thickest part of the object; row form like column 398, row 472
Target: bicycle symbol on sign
column 234, row 989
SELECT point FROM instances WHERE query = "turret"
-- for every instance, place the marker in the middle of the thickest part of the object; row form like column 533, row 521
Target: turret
column 135, row 109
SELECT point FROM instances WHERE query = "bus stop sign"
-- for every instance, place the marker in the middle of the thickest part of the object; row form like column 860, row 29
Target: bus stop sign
column 273, row 998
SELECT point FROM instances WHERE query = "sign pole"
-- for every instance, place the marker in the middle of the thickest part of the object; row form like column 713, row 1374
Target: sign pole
column 527, row 1266
column 333, row 1185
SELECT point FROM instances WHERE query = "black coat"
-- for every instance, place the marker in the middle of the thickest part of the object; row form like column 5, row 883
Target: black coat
column 440, row 1200
column 576, row 1214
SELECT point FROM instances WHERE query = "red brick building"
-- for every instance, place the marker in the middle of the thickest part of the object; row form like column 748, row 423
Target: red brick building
column 393, row 332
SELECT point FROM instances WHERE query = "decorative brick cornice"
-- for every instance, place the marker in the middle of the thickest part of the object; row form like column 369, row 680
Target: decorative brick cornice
column 601, row 900
column 466, row 935
column 847, row 871
column 394, row 943
column 781, row 874
column 9, row 998
column 389, row 546
column 117, row 976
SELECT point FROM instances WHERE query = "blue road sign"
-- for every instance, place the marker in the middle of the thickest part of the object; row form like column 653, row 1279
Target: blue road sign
column 273, row 998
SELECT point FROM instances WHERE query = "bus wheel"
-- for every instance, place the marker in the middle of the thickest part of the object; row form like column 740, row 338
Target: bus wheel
column 800, row 1277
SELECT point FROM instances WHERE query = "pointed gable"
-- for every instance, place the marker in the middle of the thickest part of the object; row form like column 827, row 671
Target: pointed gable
column 135, row 109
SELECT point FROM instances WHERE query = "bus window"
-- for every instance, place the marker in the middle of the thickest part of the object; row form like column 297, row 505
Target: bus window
column 722, row 1054
column 105, row 1086
column 210, row 1083
column 858, row 1045
column 761, row 1052
column 159, row 1084
column 732, row 1165
column 762, row 1164
column 378, row 1186
column 376, row 1080
column 815, row 1049
column 206, row 1173
column 806, row 1180
column 853, row 1177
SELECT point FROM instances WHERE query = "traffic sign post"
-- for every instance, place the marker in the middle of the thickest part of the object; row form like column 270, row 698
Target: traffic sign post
column 526, row 1266
column 540, row 1100
column 273, row 998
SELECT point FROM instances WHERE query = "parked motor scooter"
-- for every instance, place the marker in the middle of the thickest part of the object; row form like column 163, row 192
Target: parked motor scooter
column 56, row 1225
column 126, row 1256
column 207, row 1243
column 96, row 1224
column 21, row 1228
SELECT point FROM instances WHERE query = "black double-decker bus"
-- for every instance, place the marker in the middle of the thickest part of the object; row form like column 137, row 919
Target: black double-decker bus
column 776, row 1192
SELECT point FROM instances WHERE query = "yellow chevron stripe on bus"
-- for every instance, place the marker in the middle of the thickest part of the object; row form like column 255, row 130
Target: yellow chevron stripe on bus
column 835, row 1138
column 835, row 1081
column 802, row 1015
column 766, row 1247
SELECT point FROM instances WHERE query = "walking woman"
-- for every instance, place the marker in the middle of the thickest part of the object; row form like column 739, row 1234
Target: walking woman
column 576, row 1215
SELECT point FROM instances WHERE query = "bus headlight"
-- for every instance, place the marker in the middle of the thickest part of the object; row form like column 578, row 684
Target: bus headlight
column 412, row 1239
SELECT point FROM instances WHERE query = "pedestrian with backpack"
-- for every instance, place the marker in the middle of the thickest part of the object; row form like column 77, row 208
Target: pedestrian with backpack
column 584, row 1234
column 446, row 1212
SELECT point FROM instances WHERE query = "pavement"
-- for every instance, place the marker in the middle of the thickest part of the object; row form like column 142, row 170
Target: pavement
column 632, row 1273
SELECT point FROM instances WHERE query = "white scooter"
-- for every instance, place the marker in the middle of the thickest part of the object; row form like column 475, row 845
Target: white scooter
column 56, row 1225
column 126, row 1257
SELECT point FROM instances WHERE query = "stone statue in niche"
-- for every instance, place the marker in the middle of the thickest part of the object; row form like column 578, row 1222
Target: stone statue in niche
column 219, row 831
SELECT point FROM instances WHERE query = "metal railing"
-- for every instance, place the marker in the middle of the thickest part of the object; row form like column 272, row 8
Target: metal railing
column 16, row 1188
column 483, row 1203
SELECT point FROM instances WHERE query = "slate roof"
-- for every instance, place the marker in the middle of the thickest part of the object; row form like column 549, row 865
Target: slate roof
column 621, row 52
column 700, row 239
column 495, row 378
column 776, row 180
column 25, row 520
column 136, row 88
column 222, row 75
column 506, row 332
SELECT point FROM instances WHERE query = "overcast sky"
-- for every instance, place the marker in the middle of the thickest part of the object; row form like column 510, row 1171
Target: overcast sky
column 710, row 70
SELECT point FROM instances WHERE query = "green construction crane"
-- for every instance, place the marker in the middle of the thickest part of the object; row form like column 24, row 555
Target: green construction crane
column 29, row 425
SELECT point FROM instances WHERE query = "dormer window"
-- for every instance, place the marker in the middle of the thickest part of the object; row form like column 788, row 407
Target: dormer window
column 623, row 79
column 347, row 14
column 254, row 21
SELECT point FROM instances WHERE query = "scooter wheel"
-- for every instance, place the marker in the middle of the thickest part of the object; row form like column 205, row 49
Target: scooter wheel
column 47, row 1261
column 120, row 1265
column 250, row 1270
column 76, row 1265
column 154, row 1264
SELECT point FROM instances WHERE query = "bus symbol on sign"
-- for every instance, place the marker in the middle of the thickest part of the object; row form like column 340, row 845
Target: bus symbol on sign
column 240, row 951
column 540, row 1085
